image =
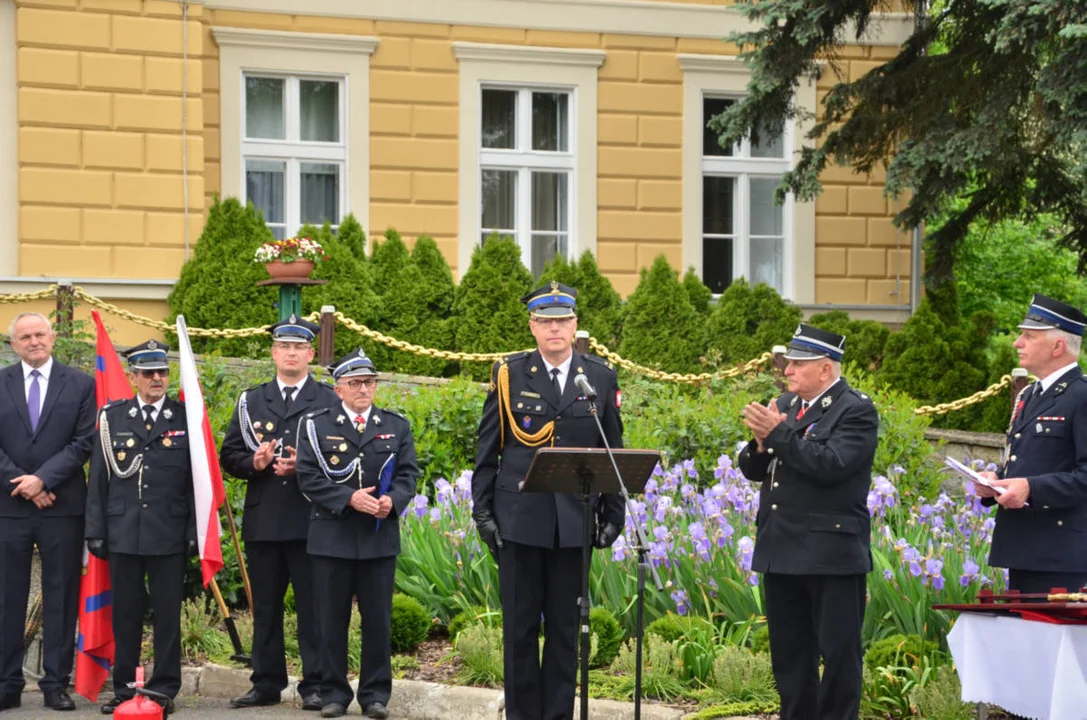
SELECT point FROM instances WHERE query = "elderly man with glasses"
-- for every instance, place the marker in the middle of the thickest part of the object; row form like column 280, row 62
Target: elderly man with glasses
column 140, row 516
column 260, row 448
column 356, row 463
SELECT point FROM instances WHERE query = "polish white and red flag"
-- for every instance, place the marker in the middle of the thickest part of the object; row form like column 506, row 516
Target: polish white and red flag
column 207, row 477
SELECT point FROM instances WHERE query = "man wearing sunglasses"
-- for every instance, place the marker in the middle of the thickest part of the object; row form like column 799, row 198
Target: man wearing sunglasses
column 140, row 516
column 356, row 462
column 259, row 448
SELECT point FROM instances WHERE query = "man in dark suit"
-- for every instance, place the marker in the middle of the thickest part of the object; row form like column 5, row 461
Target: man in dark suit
column 356, row 463
column 537, row 538
column 47, row 416
column 260, row 448
column 812, row 451
column 1041, row 524
column 140, row 515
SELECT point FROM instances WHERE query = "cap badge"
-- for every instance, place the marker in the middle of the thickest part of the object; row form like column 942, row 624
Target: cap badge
column 554, row 287
column 152, row 345
column 293, row 318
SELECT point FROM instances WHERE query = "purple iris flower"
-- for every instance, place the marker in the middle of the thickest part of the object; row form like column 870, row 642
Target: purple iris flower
column 888, row 575
column 679, row 597
column 443, row 491
column 419, row 505
column 619, row 549
column 435, row 514
column 699, row 540
column 969, row 572
column 660, row 511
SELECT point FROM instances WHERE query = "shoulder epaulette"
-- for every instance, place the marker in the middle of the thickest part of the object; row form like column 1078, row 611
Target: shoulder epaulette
column 514, row 357
column 315, row 413
column 386, row 411
column 599, row 361
column 858, row 393
column 113, row 404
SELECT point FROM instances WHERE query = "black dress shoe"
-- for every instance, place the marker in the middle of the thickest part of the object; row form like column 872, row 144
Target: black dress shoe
column 168, row 707
column 10, row 700
column 255, row 698
column 333, row 710
column 375, row 710
column 109, row 707
column 58, row 699
column 312, row 702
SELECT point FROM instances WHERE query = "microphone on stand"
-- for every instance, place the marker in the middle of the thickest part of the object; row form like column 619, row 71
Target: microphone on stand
column 583, row 384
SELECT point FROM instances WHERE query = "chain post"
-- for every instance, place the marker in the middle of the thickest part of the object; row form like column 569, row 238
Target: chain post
column 65, row 308
column 581, row 342
column 777, row 365
column 326, row 339
column 1019, row 381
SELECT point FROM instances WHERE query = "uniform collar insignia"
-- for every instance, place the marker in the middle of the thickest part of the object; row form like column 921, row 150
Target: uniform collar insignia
column 1060, row 387
column 793, row 401
column 132, row 411
column 826, row 401
column 376, row 419
column 167, row 413
column 340, row 419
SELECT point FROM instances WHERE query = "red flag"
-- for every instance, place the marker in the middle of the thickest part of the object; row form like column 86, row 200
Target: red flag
column 94, row 655
column 207, row 477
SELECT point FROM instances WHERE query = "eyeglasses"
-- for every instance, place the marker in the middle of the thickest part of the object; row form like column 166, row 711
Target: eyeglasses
column 545, row 321
column 289, row 346
column 152, row 373
column 356, row 384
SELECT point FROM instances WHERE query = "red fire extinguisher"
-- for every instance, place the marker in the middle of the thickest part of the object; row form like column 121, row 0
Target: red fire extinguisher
column 142, row 706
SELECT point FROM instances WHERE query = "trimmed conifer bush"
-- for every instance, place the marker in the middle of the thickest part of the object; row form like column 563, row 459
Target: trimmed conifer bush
column 660, row 327
column 864, row 339
column 349, row 288
column 389, row 256
column 599, row 307
column 697, row 292
column 749, row 321
column 351, row 234
column 488, row 315
column 609, row 635
column 933, row 362
column 217, row 287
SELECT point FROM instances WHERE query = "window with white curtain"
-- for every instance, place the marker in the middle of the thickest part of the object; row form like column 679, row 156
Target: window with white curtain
column 527, row 164
column 743, row 231
column 294, row 150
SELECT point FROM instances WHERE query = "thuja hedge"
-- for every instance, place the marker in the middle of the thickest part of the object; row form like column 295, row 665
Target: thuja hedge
column 667, row 322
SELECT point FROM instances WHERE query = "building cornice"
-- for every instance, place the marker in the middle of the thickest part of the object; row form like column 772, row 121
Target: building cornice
column 632, row 17
column 286, row 40
column 528, row 54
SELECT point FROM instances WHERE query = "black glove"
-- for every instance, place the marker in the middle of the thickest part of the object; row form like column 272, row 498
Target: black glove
column 98, row 548
column 606, row 534
column 193, row 548
column 488, row 530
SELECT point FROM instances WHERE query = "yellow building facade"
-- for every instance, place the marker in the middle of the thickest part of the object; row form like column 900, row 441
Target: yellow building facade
column 572, row 125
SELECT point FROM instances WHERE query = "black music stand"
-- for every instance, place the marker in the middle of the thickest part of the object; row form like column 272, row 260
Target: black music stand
column 586, row 472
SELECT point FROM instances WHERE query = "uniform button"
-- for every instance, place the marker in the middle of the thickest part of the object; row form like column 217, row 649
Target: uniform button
column 773, row 507
column 770, row 450
column 284, row 482
column 1018, row 435
column 145, row 486
column 145, row 504
column 1045, row 507
column 776, row 484
column 1060, row 523
column 362, row 455
column 557, row 438
column 837, row 526
column 1012, row 458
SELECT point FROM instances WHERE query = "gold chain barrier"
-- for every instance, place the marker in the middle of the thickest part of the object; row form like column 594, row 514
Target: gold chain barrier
column 622, row 362
column 979, row 396
column 596, row 346
column 47, row 294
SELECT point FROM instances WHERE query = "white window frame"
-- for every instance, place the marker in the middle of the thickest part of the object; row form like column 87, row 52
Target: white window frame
column 526, row 161
column 272, row 53
column 726, row 76
column 293, row 151
column 485, row 65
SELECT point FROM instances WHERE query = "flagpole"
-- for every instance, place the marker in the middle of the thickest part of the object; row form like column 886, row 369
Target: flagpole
column 231, row 629
column 238, row 552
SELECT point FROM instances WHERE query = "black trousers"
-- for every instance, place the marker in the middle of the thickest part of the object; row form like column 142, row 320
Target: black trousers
column 165, row 588
column 1033, row 581
column 272, row 565
column 812, row 617
column 336, row 580
column 60, row 547
column 539, row 581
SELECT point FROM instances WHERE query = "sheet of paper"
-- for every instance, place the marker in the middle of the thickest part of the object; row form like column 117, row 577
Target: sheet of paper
column 970, row 474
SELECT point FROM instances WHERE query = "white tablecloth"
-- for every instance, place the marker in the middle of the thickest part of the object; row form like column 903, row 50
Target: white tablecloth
column 1033, row 669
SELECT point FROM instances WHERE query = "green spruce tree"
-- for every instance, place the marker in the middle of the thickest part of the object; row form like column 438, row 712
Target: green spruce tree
column 389, row 256
column 349, row 290
column 351, row 234
column 661, row 328
column 697, row 292
column 218, row 285
column 749, row 321
column 488, row 314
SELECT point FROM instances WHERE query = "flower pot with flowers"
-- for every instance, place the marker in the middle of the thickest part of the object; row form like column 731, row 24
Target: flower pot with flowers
column 291, row 258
